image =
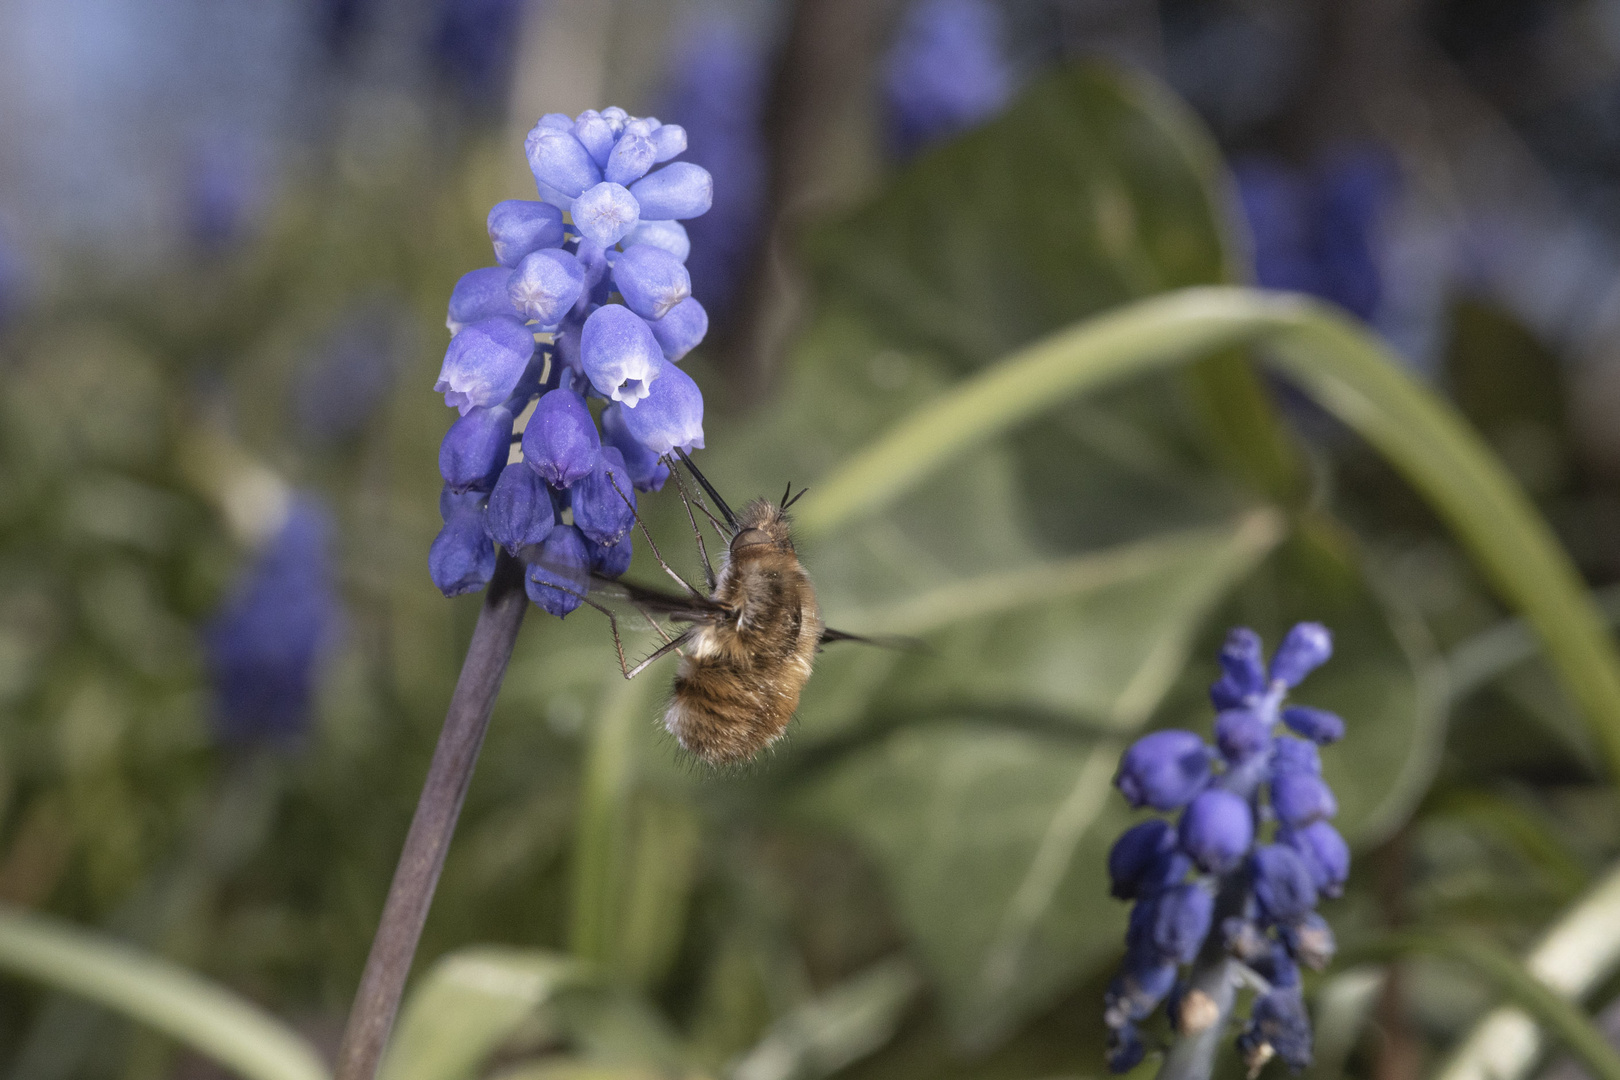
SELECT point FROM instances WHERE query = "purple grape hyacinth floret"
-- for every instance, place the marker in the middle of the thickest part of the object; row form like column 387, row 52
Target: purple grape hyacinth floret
column 945, row 72
column 1237, row 878
column 264, row 646
column 562, row 359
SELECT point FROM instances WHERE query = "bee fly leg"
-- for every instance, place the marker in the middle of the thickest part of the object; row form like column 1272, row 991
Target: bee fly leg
column 613, row 625
column 660, row 652
column 668, row 569
column 686, row 501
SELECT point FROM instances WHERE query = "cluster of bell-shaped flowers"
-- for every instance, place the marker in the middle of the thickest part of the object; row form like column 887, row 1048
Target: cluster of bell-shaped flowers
column 563, row 359
column 1212, row 888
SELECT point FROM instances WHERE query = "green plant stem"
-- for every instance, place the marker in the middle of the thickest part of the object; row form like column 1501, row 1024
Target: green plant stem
column 1575, row 955
column 602, row 834
column 149, row 989
column 1510, row 978
column 449, row 774
column 1349, row 372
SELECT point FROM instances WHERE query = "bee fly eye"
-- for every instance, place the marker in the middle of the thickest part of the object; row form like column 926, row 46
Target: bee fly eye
column 749, row 538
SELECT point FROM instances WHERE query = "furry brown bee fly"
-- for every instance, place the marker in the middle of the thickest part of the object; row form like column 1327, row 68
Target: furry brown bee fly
column 752, row 638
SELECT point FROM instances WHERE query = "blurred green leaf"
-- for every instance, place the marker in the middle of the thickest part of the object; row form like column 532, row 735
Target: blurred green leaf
column 1574, row 956
column 208, row 1018
column 1349, row 372
column 467, row 1005
column 567, row 1069
column 990, row 842
column 833, row 1029
column 1097, row 187
column 1098, row 638
column 1578, row 1034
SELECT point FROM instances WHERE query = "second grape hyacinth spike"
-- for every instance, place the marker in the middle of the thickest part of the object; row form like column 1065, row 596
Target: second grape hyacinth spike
column 1236, row 880
column 583, row 315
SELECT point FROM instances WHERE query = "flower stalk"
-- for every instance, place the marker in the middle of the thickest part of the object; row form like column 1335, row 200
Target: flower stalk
column 371, row 1018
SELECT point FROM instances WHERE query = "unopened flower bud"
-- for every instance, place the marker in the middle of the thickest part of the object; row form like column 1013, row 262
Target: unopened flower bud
column 679, row 332
column 651, row 280
column 1163, row 770
column 1216, row 829
column 560, row 161
column 669, row 141
column 669, row 235
column 1299, row 797
column 560, row 571
column 518, row 227
column 1317, row 725
column 647, row 471
column 1324, row 853
column 546, row 285
column 560, row 442
column 1243, row 671
column 1182, row 922
column 1307, row 646
column 1242, row 734
column 519, row 511
column 632, row 156
column 462, row 559
column 675, row 192
column 475, row 448
column 479, row 294
column 605, row 212
column 1282, row 883
column 596, row 135
column 1136, row 849
column 605, row 501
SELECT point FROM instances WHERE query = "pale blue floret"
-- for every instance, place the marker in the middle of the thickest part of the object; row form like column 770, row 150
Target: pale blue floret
column 680, row 331
column 605, row 212
column 671, row 417
column 677, row 191
column 620, row 355
column 546, row 285
column 484, row 363
column 651, row 280
column 517, row 227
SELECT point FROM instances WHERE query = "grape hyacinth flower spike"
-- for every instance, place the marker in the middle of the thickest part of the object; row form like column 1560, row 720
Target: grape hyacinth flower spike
column 561, row 366
column 538, row 328
column 1228, row 893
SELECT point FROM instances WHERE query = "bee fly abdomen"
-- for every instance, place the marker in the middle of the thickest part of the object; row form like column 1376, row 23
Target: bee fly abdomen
column 740, row 677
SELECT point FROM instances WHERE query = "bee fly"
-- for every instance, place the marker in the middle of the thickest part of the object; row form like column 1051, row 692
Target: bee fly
column 747, row 652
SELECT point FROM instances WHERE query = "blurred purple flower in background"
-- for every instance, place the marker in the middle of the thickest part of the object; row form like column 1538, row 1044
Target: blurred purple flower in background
column 280, row 619
column 14, row 282
column 224, row 193
column 472, row 46
column 945, row 73
column 345, row 378
column 717, row 90
column 1316, row 230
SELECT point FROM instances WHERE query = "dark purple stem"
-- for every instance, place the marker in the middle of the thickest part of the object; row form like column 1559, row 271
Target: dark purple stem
column 392, row 950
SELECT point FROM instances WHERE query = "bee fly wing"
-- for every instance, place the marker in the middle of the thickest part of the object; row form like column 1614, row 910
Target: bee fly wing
column 882, row 641
column 657, row 601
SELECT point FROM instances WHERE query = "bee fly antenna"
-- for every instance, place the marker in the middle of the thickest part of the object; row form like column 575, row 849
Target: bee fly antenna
column 789, row 502
column 785, row 493
column 703, row 481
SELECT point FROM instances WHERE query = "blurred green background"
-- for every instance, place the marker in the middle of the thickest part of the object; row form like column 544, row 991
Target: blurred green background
column 227, row 235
